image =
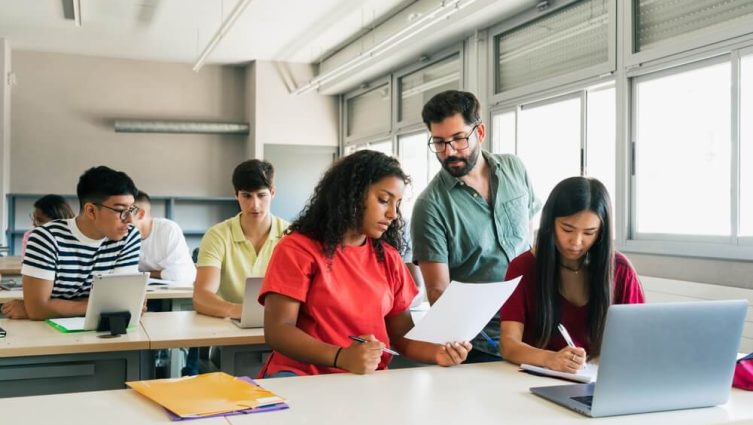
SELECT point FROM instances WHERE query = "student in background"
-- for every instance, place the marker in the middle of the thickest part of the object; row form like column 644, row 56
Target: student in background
column 63, row 255
column 473, row 217
column 570, row 278
column 239, row 247
column 46, row 209
column 164, row 252
column 338, row 273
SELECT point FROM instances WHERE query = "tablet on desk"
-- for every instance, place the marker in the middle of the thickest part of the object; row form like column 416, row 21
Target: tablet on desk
column 110, row 293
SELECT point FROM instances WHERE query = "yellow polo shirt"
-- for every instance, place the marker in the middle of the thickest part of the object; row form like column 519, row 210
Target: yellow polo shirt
column 224, row 246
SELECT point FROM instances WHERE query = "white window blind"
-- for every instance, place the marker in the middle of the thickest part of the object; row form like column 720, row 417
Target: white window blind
column 369, row 113
column 659, row 20
column 418, row 87
column 567, row 40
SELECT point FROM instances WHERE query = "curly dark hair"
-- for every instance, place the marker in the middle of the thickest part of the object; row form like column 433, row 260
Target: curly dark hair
column 338, row 202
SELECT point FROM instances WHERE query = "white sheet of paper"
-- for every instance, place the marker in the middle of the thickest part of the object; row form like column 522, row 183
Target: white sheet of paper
column 462, row 311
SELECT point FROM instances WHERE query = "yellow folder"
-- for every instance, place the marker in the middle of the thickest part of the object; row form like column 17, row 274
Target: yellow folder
column 207, row 394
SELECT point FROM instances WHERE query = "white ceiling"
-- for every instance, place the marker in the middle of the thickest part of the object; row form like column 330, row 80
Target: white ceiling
column 178, row 30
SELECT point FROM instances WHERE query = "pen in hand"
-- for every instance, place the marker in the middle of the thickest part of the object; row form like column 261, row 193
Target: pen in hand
column 363, row 341
column 566, row 335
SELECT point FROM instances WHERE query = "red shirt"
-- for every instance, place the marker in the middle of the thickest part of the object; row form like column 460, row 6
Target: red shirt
column 352, row 295
column 521, row 306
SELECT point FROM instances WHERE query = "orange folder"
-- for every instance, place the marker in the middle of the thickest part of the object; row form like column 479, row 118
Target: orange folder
column 203, row 395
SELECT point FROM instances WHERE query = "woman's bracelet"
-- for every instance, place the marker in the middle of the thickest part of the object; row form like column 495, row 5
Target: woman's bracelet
column 334, row 363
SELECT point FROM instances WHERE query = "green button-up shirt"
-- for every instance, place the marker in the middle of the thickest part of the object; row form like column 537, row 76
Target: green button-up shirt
column 453, row 224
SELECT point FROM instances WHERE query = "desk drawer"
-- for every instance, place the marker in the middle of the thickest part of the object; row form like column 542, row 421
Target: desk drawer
column 37, row 375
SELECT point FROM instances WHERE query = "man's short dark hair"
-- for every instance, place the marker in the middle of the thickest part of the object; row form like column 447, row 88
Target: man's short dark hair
column 253, row 175
column 99, row 183
column 142, row 198
column 448, row 103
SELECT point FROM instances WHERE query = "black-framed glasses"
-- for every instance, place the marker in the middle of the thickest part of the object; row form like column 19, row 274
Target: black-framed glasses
column 123, row 214
column 458, row 143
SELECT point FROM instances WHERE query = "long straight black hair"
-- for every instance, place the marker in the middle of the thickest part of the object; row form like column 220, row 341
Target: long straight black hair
column 570, row 197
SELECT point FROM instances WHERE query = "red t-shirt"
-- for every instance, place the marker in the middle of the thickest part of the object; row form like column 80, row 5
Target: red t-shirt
column 351, row 297
column 521, row 306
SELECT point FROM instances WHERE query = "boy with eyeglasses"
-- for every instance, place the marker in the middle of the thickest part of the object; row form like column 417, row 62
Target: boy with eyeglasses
column 62, row 256
column 473, row 217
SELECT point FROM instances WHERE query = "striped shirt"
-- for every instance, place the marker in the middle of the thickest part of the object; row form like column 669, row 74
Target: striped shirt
column 60, row 253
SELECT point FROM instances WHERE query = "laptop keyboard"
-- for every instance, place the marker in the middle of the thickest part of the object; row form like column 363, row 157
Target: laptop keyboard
column 587, row 400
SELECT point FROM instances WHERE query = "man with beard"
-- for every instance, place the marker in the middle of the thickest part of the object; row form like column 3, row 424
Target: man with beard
column 473, row 217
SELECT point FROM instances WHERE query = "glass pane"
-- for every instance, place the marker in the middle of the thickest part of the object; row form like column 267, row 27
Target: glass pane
column 417, row 88
column 503, row 139
column 549, row 144
column 600, row 138
column 369, row 113
column 349, row 150
column 659, row 20
column 746, row 146
column 414, row 158
column 683, row 152
column 568, row 40
column 384, row 147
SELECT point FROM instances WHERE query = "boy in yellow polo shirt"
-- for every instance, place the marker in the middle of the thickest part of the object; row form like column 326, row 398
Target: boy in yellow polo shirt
column 239, row 247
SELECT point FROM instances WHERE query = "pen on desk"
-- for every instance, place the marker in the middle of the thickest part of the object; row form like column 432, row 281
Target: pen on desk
column 489, row 339
column 363, row 341
column 566, row 335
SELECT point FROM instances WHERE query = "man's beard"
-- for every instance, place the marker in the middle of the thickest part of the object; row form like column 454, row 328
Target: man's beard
column 469, row 163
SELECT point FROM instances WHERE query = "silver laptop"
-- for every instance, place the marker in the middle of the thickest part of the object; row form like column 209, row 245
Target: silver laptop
column 660, row 357
column 252, row 315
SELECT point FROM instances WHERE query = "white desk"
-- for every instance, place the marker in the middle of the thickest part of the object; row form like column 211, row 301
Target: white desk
column 488, row 393
column 116, row 407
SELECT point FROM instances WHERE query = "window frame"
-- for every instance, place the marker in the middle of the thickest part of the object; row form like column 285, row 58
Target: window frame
column 732, row 247
column 604, row 69
column 704, row 38
column 366, row 88
column 399, row 125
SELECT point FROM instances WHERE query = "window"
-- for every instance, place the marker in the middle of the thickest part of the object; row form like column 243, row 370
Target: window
column 384, row 147
column 746, row 146
column 368, row 114
column 550, row 139
column 682, row 152
column 549, row 142
column 418, row 87
column 600, row 138
column 568, row 40
column 416, row 160
column 503, row 137
column 661, row 20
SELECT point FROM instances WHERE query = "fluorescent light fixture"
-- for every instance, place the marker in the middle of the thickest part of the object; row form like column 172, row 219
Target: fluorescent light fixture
column 224, row 28
column 445, row 10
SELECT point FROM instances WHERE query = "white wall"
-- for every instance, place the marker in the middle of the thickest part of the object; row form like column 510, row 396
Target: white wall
column 5, row 67
column 64, row 107
column 282, row 118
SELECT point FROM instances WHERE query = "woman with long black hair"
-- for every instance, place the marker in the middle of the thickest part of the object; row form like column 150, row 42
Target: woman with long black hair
column 571, row 277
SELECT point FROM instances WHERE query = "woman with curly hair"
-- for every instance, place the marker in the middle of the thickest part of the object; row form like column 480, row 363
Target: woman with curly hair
column 338, row 274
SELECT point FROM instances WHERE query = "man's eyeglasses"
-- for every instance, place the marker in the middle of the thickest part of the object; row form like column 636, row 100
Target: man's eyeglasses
column 123, row 214
column 458, row 143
